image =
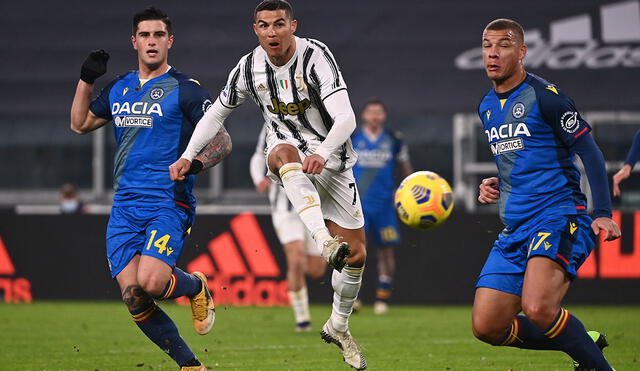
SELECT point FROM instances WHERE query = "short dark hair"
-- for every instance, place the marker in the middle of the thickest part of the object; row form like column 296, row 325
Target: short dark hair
column 274, row 5
column 151, row 14
column 507, row 24
column 374, row 101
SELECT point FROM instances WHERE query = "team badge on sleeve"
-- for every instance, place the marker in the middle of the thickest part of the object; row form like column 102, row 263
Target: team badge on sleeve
column 569, row 122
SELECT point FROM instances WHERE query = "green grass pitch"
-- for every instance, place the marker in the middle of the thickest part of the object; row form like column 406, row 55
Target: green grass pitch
column 101, row 336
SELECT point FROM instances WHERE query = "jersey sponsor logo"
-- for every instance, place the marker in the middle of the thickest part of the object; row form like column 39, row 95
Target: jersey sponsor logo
column 507, row 131
column 133, row 121
column 518, row 110
column 299, row 108
column 156, row 93
column 505, row 146
column 138, row 108
column 569, row 122
column 375, row 158
column 571, row 43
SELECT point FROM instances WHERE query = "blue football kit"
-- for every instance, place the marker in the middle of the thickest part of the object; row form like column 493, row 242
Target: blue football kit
column 534, row 131
column 374, row 173
column 153, row 121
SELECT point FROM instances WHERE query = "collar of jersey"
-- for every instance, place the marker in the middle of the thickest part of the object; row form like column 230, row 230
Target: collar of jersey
column 290, row 61
column 157, row 78
column 506, row 94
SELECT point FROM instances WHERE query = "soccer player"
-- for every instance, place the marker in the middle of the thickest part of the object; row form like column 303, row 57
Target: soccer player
column 379, row 151
column 632, row 157
column 302, row 256
column 298, row 85
column 154, row 111
column 534, row 130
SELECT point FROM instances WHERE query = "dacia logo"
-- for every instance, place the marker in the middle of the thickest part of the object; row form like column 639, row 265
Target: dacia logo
column 299, row 108
column 507, row 131
column 138, row 108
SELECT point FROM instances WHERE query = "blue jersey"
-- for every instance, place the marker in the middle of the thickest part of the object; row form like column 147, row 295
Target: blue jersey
column 375, row 168
column 531, row 130
column 152, row 125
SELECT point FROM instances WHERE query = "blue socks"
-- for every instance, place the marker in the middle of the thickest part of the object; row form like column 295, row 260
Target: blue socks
column 163, row 332
column 181, row 284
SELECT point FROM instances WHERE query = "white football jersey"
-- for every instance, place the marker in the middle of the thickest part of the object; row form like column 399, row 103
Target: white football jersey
column 291, row 96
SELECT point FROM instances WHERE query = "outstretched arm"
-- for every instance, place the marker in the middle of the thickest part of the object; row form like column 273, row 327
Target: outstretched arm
column 213, row 153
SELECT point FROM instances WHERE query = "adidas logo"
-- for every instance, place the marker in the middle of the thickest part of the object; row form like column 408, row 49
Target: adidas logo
column 241, row 267
column 261, row 88
column 14, row 290
column 571, row 43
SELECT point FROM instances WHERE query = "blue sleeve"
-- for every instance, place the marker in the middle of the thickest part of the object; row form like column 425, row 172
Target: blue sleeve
column 634, row 153
column 101, row 106
column 559, row 111
column 194, row 100
column 594, row 166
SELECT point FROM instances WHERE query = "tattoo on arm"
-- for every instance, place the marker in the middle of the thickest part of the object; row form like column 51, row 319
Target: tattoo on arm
column 214, row 152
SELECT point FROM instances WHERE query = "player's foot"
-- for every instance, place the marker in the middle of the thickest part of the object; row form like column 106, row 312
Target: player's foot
column 303, row 326
column 380, row 307
column 336, row 252
column 601, row 342
column 193, row 368
column 203, row 311
column 351, row 352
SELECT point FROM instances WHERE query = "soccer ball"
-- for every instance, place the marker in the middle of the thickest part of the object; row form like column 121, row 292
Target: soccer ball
column 423, row 200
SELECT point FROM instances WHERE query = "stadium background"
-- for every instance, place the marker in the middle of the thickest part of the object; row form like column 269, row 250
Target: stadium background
column 417, row 56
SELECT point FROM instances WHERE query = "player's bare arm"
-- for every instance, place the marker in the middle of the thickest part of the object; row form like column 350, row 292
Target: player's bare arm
column 618, row 177
column 489, row 190
column 214, row 152
column 82, row 119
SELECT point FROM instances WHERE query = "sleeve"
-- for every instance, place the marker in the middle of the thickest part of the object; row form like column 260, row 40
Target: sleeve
column 344, row 123
column 194, row 100
column 206, row 129
column 234, row 92
column 403, row 149
column 100, row 106
column 560, row 112
column 325, row 73
column 257, row 166
column 594, row 166
column 634, row 152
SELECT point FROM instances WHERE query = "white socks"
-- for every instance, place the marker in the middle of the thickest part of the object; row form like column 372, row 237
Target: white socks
column 305, row 200
column 300, row 305
column 346, row 285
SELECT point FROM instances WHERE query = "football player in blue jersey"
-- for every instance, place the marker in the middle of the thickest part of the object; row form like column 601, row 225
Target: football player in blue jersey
column 379, row 151
column 632, row 157
column 154, row 111
column 534, row 130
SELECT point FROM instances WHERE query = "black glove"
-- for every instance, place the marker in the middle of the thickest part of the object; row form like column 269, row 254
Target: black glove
column 195, row 168
column 94, row 66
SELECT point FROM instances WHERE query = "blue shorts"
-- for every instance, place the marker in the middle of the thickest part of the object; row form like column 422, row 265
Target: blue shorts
column 566, row 239
column 383, row 223
column 154, row 231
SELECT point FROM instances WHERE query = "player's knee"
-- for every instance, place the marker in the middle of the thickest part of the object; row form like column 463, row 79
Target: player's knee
column 358, row 254
column 153, row 285
column 135, row 298
column 541, row 314
column 487, row 333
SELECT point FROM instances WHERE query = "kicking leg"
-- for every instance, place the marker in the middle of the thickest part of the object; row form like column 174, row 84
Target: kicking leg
column 153, row 322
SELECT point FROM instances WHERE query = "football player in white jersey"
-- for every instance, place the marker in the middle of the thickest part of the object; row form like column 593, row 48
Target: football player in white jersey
column 298, row 86
column 299, row 248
